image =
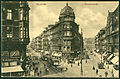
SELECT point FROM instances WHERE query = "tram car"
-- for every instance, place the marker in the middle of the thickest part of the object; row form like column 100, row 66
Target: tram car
column 15, row 32
column 55, row 58
column 46, row 55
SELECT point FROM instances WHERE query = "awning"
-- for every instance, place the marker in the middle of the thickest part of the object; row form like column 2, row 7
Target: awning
column 110, row 57
column 115, row 60
column 104, row 54
column 117, row 63
column 12, row 69
column 107, row 56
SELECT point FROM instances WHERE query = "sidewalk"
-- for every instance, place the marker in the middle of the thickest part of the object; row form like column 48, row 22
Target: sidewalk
column 116, row 72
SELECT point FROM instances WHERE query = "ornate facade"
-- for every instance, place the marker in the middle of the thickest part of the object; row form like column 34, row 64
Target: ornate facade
column 107, row 40
column 15, row 33
column 64, row 35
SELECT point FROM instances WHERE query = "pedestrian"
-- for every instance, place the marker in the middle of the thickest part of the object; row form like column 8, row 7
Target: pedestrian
column 78, row 63
column 86, row 60
column 71, row 65
column 112, row 74
column 108, row 66
column 106, row 73
column 93, row 68
column 38, row 74
column 44, row 65
column 46, row 71
column 112, row 71
column 66, row 68
column 97, row 71
column 37, row 69
column 100, row 75
column 40, row 71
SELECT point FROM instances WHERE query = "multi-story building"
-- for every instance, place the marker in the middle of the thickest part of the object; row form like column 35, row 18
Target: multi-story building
column 107, row 39
column 64, row 35
column 15, row 36
column 38, row 41
column 96, row 43
column 115, row 31
column 100, row 41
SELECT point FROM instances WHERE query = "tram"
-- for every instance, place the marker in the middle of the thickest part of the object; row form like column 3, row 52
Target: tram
column 46, row 55
column 55, row 58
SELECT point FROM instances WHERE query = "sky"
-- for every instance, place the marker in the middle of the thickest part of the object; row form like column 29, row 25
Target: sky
column 91, row 16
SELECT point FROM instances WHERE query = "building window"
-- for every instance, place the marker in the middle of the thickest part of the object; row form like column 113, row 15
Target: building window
column 21, row 32
column 9, row 35
column 16, row 23
column 21, row 14
column 15, row 16
column 3, row 13
column 9, row 32
column 67, row 33
column 68, row 42
column 9, row 14
column 67, row 26
column 26, row 33
column 3, row 22
column 21, row 24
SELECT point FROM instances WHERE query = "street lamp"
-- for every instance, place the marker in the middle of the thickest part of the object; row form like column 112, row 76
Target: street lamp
column 81, row 67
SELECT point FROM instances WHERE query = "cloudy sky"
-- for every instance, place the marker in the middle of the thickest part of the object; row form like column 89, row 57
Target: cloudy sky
column 91, row 16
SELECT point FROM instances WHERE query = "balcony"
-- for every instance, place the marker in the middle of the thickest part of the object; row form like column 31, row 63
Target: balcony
column 67, row 37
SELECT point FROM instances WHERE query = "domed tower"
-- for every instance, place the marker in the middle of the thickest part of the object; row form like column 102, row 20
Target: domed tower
column 67, row 14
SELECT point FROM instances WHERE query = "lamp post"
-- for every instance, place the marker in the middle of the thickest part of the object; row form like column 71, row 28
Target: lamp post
column 81, row 67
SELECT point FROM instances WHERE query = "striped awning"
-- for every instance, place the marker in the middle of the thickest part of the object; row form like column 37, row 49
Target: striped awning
column 12, row 69
column 115, row 60
column 110, row 57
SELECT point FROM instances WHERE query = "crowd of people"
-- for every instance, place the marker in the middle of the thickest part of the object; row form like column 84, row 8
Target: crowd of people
column 33, row 69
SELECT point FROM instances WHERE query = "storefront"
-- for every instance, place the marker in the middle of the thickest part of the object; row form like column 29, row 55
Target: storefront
column 12, row 71
column 115, row 62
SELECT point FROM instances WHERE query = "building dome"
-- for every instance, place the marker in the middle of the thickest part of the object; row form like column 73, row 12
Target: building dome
column 67, row 11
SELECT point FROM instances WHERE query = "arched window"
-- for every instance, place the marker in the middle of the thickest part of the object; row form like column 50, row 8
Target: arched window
column 9, row 14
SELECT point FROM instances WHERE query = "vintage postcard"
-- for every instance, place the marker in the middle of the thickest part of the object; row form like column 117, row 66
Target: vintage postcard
column 60, row 39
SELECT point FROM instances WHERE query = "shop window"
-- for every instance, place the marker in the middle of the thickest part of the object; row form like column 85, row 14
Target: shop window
column 9, row 14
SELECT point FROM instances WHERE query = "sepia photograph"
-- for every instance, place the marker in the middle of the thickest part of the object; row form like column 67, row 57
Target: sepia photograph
column 73, row 39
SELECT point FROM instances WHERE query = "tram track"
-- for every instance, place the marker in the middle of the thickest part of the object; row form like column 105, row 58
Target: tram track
column 53, row 68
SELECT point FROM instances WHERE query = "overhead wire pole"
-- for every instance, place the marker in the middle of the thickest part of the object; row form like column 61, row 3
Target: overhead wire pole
column 81, row 53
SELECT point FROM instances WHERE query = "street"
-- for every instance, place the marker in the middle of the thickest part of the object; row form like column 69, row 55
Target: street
column 75, row 70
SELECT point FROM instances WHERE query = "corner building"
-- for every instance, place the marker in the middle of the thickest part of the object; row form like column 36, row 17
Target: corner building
column 15, row 37
column 64, row 35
